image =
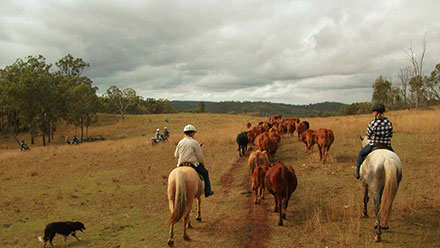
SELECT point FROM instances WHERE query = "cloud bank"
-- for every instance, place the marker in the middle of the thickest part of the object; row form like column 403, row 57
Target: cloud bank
column 296, row 52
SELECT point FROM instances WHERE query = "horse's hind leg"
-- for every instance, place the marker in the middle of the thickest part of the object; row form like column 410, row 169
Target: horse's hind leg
column 199, row 213
column 377, row 226
column 170, row 240
column 366, row 199
column 185, row 223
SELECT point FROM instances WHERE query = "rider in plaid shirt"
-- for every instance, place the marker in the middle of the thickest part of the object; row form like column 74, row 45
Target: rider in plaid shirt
column 379, row 131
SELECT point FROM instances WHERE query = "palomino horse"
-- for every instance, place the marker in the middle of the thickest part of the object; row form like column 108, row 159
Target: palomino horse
column 380, row 173
column 184, row 185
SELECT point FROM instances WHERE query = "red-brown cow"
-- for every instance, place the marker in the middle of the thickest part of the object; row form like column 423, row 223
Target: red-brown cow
column 259, row 140
column 281, row 181
column 303, row 126
column 270, row 144
column 291, row 127
column 258, row 182
column 308, row 137
column 324, row 139
column 257, row 158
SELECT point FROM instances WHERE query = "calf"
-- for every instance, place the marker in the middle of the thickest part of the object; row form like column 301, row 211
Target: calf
column 281, row 181
column 303, row 126
column 324, row 139
column 258, row 182
column 308, row 137
column 242, row 141
column 257, row 158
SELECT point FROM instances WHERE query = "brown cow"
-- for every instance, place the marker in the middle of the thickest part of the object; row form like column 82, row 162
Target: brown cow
column 258, row 182
column 303, row 126
column 259, row 139
column 281, row 181
column 291, row 127
column 324, row 139
column 257, row 158
column 308, row 137
column 270, row 144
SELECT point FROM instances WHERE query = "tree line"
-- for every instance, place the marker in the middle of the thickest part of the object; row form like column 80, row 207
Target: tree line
column 35, row 96
column 412, row 89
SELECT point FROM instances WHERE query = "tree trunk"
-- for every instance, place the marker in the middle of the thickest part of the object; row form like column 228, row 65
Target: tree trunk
column 87, row 131
column 16, row 123
column 48, row 135
column 44, row 138
column 53, row 130
column 82, row 129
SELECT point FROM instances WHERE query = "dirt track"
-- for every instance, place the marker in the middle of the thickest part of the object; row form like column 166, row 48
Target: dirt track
column 257, row 215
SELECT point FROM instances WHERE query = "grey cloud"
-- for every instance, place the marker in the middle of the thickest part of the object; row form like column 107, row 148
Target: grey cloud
column 226, row 50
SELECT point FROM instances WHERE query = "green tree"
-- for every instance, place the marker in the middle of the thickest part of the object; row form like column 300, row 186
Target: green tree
column 85, row 104
column 201, row 107
column 121, row 98
column 433, row 84
column 382, row 91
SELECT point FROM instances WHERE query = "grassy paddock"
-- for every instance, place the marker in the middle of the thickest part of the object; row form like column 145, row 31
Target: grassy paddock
column 118, row 187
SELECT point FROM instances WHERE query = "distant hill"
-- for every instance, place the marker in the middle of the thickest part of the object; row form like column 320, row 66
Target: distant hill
column 261, row 108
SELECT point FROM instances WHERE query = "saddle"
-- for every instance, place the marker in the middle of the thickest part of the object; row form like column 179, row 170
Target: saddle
column 378, row 146
column 192, row 166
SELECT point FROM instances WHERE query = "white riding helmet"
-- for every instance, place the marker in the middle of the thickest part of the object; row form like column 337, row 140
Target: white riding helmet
column 165, row 128
column 189, row 128
column 157, row 130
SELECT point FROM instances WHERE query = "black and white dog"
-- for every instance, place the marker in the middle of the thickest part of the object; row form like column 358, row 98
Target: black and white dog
column 63, row 228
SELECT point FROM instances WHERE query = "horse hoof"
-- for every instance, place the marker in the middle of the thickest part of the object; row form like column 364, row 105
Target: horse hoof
column 284, row 216
column 280, row 223
column 275, row 210
column 378, row 239
column 199, row 219
column 365, row 216
column 186, row 238
column 384, row 227
column 190, row 226
column 170, row 243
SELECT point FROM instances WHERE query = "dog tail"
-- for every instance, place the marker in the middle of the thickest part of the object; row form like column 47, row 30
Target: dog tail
column 40, row 239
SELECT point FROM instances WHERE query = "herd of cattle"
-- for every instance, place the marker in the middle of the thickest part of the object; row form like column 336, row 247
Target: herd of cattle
column 279, row 178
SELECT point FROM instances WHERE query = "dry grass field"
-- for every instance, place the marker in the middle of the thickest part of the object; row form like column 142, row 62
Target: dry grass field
column 117, row 187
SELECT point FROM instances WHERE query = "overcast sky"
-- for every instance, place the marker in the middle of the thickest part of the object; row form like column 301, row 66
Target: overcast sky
column 296, row 52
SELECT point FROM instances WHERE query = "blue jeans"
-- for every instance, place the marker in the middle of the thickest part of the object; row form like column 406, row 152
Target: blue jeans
column 361, row 157
column 204, row 172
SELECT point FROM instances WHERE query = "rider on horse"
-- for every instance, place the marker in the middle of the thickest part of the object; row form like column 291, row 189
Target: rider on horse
column 379, row 133
column 188, row 151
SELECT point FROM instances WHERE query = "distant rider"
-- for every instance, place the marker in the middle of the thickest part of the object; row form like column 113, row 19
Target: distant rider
column 23, row 146
column 166, row 133
column 188, row 150
column 157, row 136
column 75, row 140
column 379, row 132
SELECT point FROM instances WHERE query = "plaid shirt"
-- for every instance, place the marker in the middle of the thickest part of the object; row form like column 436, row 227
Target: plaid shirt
column 380, row 131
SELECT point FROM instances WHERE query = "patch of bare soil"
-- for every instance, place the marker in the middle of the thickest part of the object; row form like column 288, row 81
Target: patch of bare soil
column 258, row 231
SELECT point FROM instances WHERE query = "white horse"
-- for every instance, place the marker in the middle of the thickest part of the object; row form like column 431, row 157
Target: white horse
column 184, row 185
column 380, row 173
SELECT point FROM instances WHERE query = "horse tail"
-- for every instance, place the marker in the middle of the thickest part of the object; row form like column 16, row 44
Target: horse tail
column 180, row 199
column 389, row 191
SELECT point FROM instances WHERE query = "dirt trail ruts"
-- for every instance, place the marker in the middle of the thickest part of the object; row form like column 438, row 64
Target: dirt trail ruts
column 257, row 215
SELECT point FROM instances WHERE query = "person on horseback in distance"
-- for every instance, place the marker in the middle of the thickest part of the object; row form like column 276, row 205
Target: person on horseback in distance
column 188, row 150
column 379, row 133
